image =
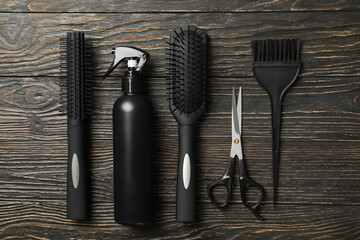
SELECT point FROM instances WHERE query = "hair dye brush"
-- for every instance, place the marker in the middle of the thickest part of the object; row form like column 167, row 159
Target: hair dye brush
column 276, row 66
column 187, row 90
column 76, row 90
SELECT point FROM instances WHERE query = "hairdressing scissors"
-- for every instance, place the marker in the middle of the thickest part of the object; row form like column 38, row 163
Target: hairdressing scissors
column 236, row 152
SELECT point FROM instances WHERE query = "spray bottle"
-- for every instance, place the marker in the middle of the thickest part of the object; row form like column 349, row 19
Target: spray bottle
column 132, row 133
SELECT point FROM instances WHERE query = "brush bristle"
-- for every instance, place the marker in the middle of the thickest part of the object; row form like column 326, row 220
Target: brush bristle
column 76, row 76
column 188, row 68
column 279, row 50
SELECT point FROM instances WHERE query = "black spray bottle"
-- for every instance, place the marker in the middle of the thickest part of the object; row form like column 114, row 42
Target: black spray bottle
column 132, row 125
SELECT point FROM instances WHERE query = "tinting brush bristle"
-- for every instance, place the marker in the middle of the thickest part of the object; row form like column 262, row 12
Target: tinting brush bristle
column 188, row 62
column 76, row 75
column 282, row 50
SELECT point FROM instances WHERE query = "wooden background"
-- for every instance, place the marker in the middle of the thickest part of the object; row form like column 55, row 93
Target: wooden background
column 319, row 192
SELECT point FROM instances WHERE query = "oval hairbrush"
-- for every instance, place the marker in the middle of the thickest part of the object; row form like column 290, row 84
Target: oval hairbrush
column 187, row 90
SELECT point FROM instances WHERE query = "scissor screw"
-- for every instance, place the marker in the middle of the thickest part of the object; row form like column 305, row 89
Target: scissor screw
column 236, row 141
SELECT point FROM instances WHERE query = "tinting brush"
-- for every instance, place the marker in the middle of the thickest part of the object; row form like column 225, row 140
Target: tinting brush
column 187, row 91
column 276, row 66
column 76, row 100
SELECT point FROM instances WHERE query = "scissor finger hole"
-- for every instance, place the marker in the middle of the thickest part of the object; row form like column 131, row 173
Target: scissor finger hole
column 219, row 194
column 252, row 195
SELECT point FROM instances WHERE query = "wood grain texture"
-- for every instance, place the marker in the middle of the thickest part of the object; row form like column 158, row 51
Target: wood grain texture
column 320, row 139
column 30, row 42
column 319, row 192
column 47, row 220
column 177, row 6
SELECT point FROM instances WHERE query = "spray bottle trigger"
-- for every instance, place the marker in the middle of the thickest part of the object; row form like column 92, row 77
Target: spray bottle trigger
column 121, row 53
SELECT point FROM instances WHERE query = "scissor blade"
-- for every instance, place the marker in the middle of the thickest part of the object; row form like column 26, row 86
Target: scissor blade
column 239, row 109
column 234, row 116
column 236, row 141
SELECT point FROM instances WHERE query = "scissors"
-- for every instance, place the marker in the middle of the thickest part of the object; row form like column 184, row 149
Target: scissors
column 236, row 152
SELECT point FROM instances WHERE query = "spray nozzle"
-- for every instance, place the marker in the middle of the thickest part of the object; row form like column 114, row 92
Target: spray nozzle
column 136, row 58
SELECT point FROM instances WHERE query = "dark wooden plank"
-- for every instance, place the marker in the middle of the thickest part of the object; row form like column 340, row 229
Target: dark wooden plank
column 177, row 6
column 320, row 139
column 319, row 193
column 47, row 220
column 331, row 48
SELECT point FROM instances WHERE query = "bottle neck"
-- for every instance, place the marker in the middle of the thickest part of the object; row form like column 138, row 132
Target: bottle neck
column 131, row 82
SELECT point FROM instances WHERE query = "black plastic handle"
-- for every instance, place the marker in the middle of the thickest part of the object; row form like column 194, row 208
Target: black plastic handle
column 77, row 174
column 186, row 181
column 245, row 183
column 276, row 121
column 225, row 180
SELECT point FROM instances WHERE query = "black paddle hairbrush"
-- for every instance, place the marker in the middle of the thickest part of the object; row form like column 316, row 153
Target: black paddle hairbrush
column 76, row 99
column 276, row 66
column 187, row 90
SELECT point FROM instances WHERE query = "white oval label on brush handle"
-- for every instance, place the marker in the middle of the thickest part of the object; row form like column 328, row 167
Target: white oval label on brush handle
column 186, row 171
column 75, row 171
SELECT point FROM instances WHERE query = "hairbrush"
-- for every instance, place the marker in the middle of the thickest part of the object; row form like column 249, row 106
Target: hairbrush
column 76, row 99
column 188, row 55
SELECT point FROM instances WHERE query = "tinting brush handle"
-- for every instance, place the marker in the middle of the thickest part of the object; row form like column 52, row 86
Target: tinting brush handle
column 186, row 182
column 77, row 177
column 276, row 116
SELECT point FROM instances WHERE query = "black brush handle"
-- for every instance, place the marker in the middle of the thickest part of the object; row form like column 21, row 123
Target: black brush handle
column 186, row 182
column 276, row 118
column 77, row 174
